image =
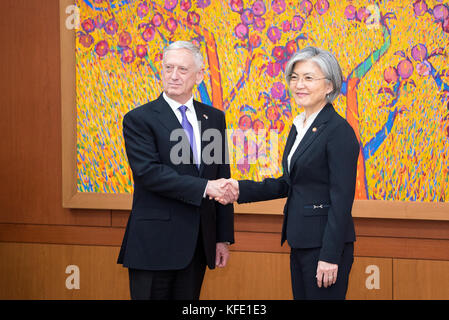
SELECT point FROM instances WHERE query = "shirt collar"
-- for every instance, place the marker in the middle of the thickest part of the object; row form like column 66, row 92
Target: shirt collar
column 175, row 105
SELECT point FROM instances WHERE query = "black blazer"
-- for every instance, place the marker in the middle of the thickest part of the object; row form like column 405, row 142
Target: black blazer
column 320, row 186
column 168, row 205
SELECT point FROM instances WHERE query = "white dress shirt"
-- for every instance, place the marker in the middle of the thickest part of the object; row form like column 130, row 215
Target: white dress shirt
column 191, row 116
column 301, row 128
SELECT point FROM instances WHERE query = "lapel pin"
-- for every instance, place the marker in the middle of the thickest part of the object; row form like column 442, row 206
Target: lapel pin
column 205, row 116
column 314, row 129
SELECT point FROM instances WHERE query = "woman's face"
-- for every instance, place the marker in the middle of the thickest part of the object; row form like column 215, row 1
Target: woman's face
column 308, row 85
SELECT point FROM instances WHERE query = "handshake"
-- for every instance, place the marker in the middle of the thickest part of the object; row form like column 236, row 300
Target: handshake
column 224, row 191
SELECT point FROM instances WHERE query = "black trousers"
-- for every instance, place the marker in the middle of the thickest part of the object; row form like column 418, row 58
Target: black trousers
column 184, row 284
column 303, row 265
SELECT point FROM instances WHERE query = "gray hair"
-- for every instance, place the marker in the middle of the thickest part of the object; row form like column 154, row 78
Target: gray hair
column 325, row 60
column 196, row 52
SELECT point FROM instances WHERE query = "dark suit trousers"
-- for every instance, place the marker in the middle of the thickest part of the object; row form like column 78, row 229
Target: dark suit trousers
column 184, row 284
column 303, row 265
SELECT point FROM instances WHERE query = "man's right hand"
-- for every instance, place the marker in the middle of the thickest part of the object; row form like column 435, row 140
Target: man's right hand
column 224, row 191
column 229, row 191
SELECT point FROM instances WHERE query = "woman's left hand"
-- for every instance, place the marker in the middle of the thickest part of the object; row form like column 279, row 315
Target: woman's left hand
column 326, row 274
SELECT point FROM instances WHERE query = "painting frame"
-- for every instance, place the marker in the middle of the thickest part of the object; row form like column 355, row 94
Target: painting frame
column 72, row 198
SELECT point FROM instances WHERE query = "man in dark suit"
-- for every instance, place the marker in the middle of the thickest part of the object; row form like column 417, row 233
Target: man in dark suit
column 175, row 228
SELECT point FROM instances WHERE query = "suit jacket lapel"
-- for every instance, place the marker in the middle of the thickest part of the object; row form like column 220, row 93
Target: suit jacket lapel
column 166, row 115
column 312, row 133
column 288, row 146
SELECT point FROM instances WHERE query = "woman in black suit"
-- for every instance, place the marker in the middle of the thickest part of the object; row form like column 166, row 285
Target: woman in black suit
column 319, row 177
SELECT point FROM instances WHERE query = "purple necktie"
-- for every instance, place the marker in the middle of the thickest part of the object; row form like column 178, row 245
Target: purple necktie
column 189, row 130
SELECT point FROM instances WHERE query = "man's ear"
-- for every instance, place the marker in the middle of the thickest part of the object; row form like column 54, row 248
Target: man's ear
column 199, row 76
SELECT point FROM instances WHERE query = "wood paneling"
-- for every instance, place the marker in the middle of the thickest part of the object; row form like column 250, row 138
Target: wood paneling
column 119, row 218
column 250, row 276
column 421, row 279
column 410, row 210
column 38, row 271
column 264, row 207
column 60, row 234
column 258, row 234
column 259, row 242
column 363, row 279
column 402, row 248
column 420, row 229
column 30, row 125
column 264, row 223
column 393, row 228
column 253, row 276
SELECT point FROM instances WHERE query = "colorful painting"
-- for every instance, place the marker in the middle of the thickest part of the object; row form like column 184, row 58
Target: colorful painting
column 394, row 57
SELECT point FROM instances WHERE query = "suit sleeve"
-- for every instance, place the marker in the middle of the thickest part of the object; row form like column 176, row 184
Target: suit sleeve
column 225, row 213
column 268, row 189
column 342, row 150
column 144, row 160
